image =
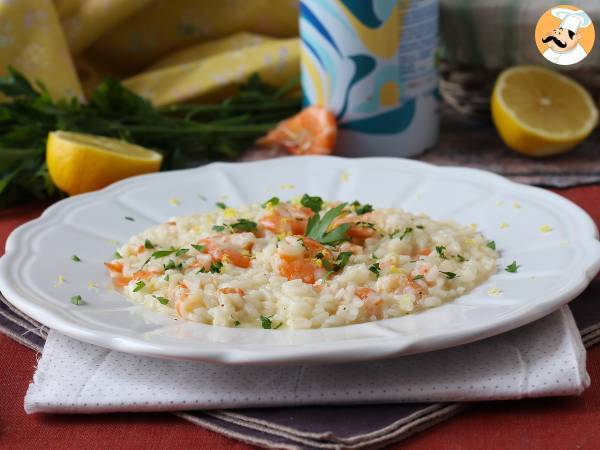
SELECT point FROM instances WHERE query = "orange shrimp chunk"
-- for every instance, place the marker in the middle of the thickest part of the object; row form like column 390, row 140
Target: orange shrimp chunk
column 312, row 131
column 221, row 251
column 304, row 267
column 236, row 258
column 360, row 232
column 114, row 267
column 230, row 290
column 364, row 292
column 298, row 269
column 144, row 274
column 121, row 280
column 286, row 218
column 357, row 231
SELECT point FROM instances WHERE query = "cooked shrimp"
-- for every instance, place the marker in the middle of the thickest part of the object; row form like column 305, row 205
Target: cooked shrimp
column 232, row 248
column 360, row 227
column 312, row 131
column 303, row 258
column 286, row 218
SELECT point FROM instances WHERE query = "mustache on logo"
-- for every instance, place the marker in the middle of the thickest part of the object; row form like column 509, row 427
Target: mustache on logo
column 555, row 40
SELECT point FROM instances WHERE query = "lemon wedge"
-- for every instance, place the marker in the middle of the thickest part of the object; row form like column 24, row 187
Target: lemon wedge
column 80, row 163
column 540, row 112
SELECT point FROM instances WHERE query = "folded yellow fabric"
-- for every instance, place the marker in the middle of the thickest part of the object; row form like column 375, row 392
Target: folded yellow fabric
column 166, row 50
column 31, row 40
column 84, row 21
column 275, row 60
column 166, row 26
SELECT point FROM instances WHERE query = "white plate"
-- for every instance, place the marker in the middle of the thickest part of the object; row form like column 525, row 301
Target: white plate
column 556, row 265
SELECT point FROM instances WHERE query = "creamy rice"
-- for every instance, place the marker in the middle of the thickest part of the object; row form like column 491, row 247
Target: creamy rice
column 253, row 266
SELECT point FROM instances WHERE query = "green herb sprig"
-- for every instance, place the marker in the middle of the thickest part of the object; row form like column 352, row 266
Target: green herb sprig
column 77, row 300
column 513, row 267
column 317, row 227
column 374, row 268
column 273, row 201
column 314, row 203
column 361, row 209
column 185, row 134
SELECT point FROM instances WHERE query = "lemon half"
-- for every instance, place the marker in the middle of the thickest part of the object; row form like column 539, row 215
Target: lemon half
column 540, row 112
column 80, row 163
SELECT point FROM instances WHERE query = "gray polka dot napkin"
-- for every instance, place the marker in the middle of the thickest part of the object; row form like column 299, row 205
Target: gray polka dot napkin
column 359, row 426
column 545, row 358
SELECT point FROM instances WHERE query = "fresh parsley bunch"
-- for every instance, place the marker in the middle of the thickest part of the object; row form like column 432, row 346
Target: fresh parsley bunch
column 186, row 134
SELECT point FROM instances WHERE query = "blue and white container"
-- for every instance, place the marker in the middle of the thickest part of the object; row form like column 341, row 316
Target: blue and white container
column 372, row 63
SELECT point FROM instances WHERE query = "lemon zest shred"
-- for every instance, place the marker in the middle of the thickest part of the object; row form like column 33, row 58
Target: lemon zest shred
column 494, row 291
column 229, row 213
column 60, row 280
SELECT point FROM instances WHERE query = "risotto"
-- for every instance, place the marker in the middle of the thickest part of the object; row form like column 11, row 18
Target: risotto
column 305, row 263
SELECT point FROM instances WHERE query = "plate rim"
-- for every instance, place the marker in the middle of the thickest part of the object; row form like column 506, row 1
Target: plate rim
column 301, row 353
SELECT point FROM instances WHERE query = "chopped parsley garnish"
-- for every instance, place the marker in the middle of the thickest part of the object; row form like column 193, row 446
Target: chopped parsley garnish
column 491, row 244
column 266, row 322
column 221, row 205
column 117, row 255
column 342, row 260
column 218, row 228
column 214, row 268
column 75, row 258
column 139, row 286
column 375, row 269
column 163, row 253
column 271, row 202
column 131, row 219
column 321, row 257
column 420, row 227
column 365, row 225
column 77, row 300
column 512, row 267
column 200, row 248
column 182, row 251
column 172, row 266
column 314, row 203
column 461, row 258
column 361, row 209
column 162, row 300
column 317, row 227
column 406, row 232
column 244, row 225
column 418, row 277
column 449, row 275
column 440, row 250
column 149, row 245
column 237, row 323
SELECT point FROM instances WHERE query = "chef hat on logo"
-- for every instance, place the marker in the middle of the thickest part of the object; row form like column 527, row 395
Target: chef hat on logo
column 570, row 19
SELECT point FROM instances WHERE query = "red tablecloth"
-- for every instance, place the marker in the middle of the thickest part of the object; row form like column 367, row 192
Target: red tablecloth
column 554, row 423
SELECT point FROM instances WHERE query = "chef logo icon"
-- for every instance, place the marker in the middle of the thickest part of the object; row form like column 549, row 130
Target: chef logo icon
column 565, row 35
